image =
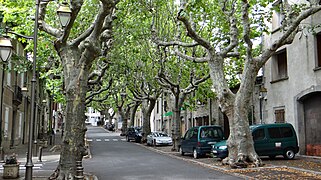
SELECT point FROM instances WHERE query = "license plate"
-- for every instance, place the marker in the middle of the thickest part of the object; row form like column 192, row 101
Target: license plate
column 214, row 151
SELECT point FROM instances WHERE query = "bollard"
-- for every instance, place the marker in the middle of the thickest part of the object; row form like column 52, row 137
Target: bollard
column 40, row 154
column 79, row 170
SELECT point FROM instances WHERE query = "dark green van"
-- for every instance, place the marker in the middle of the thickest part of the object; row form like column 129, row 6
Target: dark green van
column 269, row 140
column 199, row 140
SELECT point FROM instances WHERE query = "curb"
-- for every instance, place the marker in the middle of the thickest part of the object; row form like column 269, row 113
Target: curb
column 171, row 154
column 197, row 162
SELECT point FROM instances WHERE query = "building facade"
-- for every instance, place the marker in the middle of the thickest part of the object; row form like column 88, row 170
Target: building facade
column 292, row 78
column 15, row 104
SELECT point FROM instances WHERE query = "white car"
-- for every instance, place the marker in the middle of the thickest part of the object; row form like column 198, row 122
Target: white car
column 159, row 138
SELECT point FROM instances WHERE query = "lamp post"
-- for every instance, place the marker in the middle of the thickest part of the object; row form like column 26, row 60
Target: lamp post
column 5, row 53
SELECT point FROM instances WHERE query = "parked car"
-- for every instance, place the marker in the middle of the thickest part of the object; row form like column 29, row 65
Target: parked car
column 110, row 127
column 269, row 140
column 159, row 138
column 199, row 140
column 134, row 133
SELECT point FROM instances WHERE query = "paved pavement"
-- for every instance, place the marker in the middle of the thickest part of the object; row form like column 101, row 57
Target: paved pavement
column 44, row 168
column 302, row 167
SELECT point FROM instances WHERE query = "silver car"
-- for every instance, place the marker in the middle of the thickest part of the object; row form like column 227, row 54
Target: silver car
column 159, row 138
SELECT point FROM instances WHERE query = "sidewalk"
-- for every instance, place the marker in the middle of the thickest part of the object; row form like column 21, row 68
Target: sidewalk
column 302, row 167
column 49, row 159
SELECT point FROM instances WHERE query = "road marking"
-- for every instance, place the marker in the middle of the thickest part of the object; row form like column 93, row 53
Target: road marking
column 23, row 167
column 106, row 140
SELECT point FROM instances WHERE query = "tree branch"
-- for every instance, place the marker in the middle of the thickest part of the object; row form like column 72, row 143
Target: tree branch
column 286, row 37
column 190, row 58
column 233, row 33
column 44, row 26
column 192, row 33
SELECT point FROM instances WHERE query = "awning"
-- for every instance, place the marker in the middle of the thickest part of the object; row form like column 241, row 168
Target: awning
column 169, row 113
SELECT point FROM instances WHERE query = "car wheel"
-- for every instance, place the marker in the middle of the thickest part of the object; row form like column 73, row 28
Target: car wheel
column 195, row 154
column 127, row 139
column 181, row 151
column 154, row 142
column 137, row 140
column 289, row 153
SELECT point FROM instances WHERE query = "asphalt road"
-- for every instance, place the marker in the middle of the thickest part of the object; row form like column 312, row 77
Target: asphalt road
column 113, row 158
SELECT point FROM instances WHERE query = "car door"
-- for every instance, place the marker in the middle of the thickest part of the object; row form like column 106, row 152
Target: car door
column 149, row 138
column 275, row 140
column 185, row 145
column 260, row 141
column 192, row 143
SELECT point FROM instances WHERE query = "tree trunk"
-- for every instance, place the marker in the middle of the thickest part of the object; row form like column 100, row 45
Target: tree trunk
column 73, row 145
column 132, row 114
column 240, row 141
column 176, row 129
column 147, row 106
column 124, row 121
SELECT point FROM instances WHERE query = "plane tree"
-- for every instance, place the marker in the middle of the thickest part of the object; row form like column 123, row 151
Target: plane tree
column 85, row 39
column 227, row 31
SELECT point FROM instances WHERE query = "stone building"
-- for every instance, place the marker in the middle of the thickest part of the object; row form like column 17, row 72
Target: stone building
column 292, row 78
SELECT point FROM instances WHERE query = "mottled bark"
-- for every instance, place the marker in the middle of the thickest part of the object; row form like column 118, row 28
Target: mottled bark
column 73, row 147
column 124, row 113
column 133, row 113
column 177, row 121
column 147, row 107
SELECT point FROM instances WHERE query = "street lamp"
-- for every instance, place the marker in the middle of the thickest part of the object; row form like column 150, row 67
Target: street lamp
column 5, row 49
column 5, row 53
column 64, row 14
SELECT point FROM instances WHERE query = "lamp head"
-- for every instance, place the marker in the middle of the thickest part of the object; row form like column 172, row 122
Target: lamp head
column 64, row 14
column 5, row 48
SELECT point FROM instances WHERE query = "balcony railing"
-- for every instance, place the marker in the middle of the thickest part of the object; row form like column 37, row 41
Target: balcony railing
column 17, row 97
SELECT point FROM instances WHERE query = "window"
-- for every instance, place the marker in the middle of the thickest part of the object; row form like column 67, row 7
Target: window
column 157, row 107
column 165, row 106
column 189, row 134
column 278, row 15
column 318, row 61
column 9, row 74
column 258, row 134
column 279, row 66
column 280, row 132
column 194, row 134
column 282, row 64
column 6, row 122
column 274, row 133
column 286, row 132
column 21, row 115
column 279, row 115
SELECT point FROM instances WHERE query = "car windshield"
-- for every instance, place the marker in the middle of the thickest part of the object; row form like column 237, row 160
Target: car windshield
column 160, row 134
column 138, row 129
column 211, row 133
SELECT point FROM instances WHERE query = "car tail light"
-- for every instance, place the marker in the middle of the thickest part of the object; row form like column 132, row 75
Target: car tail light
column 199, row 144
